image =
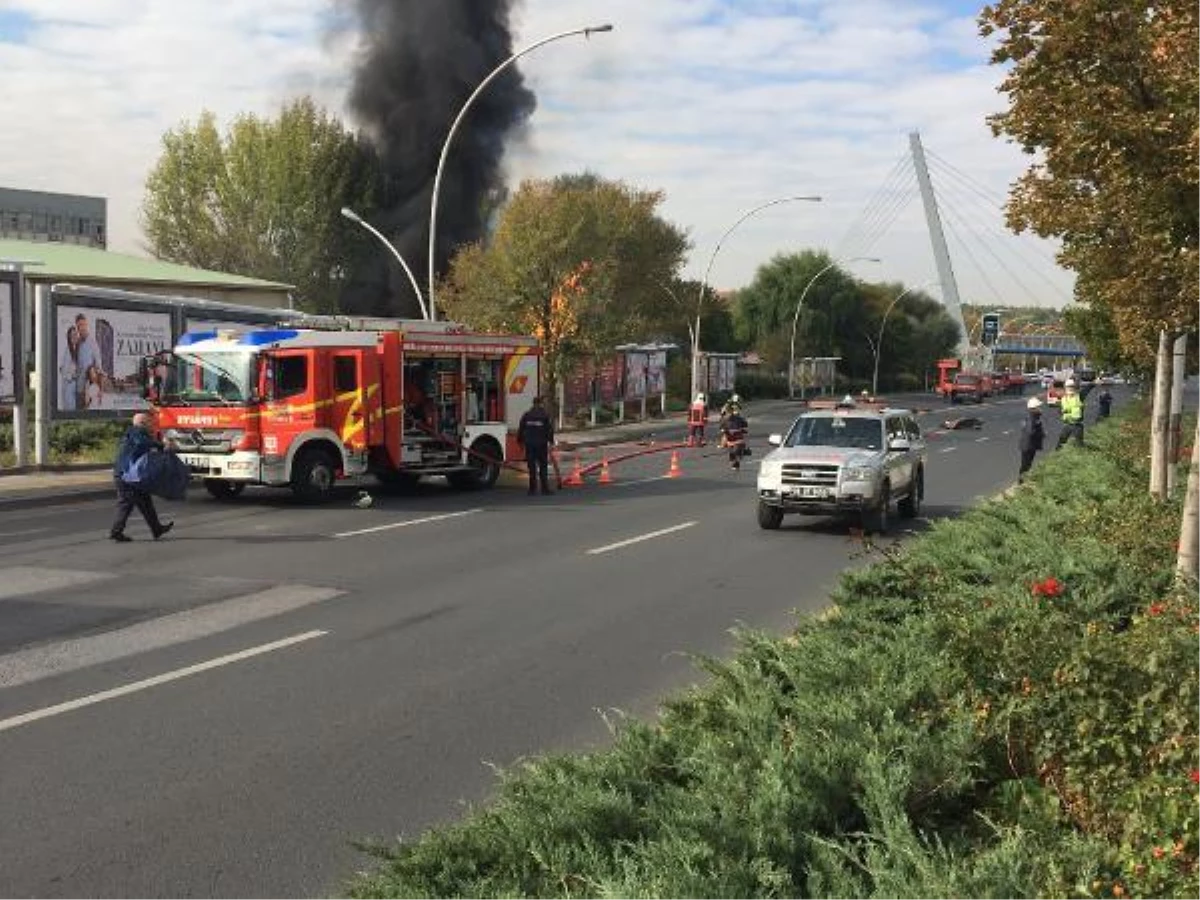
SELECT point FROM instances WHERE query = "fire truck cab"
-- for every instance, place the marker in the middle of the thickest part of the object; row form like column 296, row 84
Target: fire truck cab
column 323, row 399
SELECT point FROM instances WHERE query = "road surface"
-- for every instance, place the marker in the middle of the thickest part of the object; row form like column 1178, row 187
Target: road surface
column 223, row 712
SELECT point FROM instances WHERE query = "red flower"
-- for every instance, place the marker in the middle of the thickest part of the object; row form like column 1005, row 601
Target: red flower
column 1195, row 776
column 1048, row 587
column 1156, row 609
column 1158, row 852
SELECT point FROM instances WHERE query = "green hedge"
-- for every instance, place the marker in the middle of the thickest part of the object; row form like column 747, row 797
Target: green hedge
column 1005, row 707
column 71, row 441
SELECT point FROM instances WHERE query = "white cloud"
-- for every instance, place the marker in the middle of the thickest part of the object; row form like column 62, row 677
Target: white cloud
column 720, row 107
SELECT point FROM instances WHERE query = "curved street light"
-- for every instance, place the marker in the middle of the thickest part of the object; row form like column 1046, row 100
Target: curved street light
column 704, row 281
column 796, row 317
column 883, row 324
column 348, row 213
column 437, row 178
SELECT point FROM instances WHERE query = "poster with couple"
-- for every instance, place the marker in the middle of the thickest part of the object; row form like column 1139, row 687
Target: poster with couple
column 98, row 352
column 10, row 368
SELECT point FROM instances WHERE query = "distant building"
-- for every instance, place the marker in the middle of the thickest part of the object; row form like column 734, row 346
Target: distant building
column 44, row 217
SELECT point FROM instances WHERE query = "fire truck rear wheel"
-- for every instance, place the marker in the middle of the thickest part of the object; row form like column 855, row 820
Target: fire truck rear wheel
column 313, row 476
column 484, row 472
column 220, row 489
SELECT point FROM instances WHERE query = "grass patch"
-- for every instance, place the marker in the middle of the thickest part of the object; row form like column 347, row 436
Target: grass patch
column 1004, row 707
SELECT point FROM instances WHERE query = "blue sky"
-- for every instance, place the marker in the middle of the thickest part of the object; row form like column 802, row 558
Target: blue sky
column 722, row 104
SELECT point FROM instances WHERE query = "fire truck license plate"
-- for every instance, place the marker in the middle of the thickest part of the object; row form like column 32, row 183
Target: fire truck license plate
column 195, row 463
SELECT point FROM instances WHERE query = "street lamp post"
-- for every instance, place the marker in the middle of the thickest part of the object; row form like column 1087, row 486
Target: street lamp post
column 796, row 317
column 437, row 178
column 704, row 282
column 350, row 214
column 883, row 324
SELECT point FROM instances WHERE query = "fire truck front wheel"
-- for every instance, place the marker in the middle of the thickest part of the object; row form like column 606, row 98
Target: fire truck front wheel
column 314, row 474
column 220, row 489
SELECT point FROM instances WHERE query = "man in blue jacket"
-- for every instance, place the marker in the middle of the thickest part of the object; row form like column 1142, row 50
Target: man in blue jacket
column 138, row 441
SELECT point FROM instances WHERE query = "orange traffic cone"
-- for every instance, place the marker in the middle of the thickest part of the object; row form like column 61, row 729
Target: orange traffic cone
column 605, row 478
column 575, row 479
column 674, row 471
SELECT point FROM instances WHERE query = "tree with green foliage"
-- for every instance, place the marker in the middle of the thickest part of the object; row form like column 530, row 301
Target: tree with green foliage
column 841, row 316
column 1107, row 93
column 579, row 261
column 263, row 199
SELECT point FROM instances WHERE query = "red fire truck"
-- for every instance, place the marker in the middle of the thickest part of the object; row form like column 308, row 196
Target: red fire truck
column 322, row 399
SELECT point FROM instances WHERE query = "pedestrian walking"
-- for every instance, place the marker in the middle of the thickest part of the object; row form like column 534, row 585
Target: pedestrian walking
column 1033, row 436
column 1071, row 406
column 697, row 419
column 137, row 442
column 1105, row 399
column 535, row 433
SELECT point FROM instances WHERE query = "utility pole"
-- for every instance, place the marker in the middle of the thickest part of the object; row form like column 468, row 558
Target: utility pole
column 941, row 254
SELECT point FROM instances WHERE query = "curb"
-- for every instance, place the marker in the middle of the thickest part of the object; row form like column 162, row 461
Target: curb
column 54, row 497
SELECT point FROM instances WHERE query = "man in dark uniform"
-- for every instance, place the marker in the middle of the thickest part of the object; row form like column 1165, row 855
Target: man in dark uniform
column 536, row 434
column 137, row 443
column 1033, row 436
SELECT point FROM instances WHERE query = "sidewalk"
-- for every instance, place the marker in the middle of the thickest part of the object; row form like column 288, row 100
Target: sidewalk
column 29, row 489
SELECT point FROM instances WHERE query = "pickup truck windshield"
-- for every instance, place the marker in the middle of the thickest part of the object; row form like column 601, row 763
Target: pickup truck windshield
column 836, row 431
column 222, row 377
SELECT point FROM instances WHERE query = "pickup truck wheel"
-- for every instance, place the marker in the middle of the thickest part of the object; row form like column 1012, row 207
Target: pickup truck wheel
column 875, row 521
column 313, row 476
column 910, row 506
column 769, row 517
column 220, row 489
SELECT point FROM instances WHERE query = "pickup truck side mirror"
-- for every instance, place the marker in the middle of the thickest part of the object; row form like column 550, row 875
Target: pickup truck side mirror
column 775, row 440
column 899, row 444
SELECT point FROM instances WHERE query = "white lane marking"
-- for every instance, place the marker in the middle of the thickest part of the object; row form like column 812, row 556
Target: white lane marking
column 37, row 663
column 16, row 581
column 641, row 537
column 174, row 675
column 407, row 522
column 1006, row 432
column 980, row 440
column 26, row 531
column 640, row 481
column 947, row 450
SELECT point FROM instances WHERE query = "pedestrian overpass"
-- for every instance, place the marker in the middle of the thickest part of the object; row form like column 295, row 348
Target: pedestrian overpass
column 1053, row 347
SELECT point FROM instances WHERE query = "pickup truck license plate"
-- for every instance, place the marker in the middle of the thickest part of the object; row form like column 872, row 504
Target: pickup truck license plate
column 809, row 492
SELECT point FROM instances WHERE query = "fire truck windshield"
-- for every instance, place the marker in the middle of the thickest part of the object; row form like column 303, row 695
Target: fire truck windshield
column 225, row 377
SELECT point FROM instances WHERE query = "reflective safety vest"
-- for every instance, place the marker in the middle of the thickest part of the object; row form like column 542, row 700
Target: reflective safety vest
column 697, row 414
column 1072, row 408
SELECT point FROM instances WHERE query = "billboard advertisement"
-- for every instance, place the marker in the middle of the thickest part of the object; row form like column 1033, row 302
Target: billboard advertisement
column 635, row 375
column 12, row 374
column 656, row 372
column 98, row 350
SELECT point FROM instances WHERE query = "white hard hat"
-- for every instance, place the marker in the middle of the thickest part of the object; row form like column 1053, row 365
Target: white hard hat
column 1034, row 403
column 1070, row 382
column 735, row 399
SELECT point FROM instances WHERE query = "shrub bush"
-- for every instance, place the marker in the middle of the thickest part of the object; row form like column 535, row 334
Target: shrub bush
column 1004, row 707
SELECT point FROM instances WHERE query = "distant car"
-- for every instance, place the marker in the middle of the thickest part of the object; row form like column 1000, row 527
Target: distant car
column 845, row 461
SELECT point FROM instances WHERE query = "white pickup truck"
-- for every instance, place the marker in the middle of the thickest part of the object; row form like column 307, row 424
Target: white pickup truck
column 855, row 460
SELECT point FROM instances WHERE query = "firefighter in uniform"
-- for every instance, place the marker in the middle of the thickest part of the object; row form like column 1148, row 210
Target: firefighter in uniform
column 536, row 434
column 697, row 419
column 1071, row 406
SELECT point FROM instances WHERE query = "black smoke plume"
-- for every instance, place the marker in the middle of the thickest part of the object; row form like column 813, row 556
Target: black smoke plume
column 419, row 60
